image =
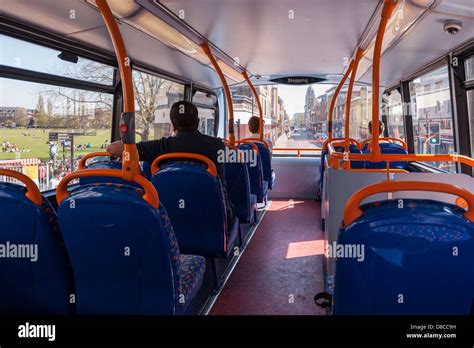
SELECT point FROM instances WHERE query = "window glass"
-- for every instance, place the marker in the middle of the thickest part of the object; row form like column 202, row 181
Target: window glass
column 44, row 130
column 432, row 115
column 470, row 104
column 154, row 97
column 394, row 112
column 207, row 121
column 205, row 98
column 21, row 54
column 469, row 65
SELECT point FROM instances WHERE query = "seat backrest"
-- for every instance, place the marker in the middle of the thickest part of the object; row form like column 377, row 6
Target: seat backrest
column 238, row 189
column 196, row 206
column 266, row 159
column 123, row 251
column 417, row 260
column 145, row 168
column 35, row 272
column 255, row 170
column 387, row 148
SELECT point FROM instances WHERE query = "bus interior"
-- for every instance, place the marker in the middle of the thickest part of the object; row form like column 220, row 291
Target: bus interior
column 353, row 197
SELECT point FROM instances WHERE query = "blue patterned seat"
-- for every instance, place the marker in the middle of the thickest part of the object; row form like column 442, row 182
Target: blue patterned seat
column 255, row 170
column 191, row 272
column 39, row 284
column 125, row 255
column 416, row 260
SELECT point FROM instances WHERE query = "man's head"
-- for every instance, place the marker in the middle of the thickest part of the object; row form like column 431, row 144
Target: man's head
column 254, row 124
column 184, row 116
column 381, row 128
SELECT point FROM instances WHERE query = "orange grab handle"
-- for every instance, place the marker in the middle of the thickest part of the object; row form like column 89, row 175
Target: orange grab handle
column 257, row 99
column 256, row 140
column 150, row 196
column 211, row 167
column 352, row 210
column 351, row 140
column 228, row 95
column 334, row 98
column 32, row 191
column 401, row 157
column 402, row 142
column 387, row 10
column 82, row 162
column 251, row 143
column 358, row 57
column 131, row 166
column 122, row 57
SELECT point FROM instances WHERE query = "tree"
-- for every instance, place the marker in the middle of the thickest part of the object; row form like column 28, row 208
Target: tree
column 50, row 108
column 21, row 118
column 148, row 90
column 42, row 119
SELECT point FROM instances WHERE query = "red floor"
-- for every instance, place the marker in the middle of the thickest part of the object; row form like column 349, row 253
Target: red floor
column 281, row 269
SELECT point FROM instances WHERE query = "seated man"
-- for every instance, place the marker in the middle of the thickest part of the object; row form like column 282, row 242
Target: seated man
column 254, row 128
column 381, row 130
column 186, row 138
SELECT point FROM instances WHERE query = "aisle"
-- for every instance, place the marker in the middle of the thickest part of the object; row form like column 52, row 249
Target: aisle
column 281, row 269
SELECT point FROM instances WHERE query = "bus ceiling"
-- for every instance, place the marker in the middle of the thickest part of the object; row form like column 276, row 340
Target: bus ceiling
column 269, row 39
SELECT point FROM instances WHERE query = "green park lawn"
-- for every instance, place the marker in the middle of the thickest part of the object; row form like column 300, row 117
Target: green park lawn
column 36, row 139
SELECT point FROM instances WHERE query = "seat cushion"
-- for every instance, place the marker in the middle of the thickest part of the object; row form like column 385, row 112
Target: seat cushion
column 191, row 274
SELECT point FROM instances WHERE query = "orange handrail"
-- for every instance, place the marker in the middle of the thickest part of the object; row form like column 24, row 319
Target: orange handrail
column 256, row 140
column 334, row 99
column 359, row 54
column 130, row 160
column 211, row 167
column 369, row 170
column 228, row 96
column 387, row 10
column 82, row 163
column 150, row 195
column 351, row 140
column 297, row 149
column 352, row 210
column 251, row 143
column 402, row 142
column 32, row 191
column 259, row 105
column 399, row 157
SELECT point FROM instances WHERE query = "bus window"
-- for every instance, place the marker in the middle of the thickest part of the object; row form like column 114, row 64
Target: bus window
column 206, row 104
column 394, row 112
column 25, row 55
column 432, row 115
column 154, row 97
column 46, row 129
column 469, row 65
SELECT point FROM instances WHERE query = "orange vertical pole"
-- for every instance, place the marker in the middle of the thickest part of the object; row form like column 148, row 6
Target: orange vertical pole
column 387, row 10
column 334, row 99
column 356, row 61
column 130, row 160
column 228, row 96
column 260, row 112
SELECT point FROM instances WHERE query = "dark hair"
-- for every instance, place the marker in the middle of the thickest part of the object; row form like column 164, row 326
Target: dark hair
column 381, row 128
column 254, row 124
column 184, row 116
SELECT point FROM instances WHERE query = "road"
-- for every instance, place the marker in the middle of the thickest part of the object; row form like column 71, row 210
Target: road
column 299, row 140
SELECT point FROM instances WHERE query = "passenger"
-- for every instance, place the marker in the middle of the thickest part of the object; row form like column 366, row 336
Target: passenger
column 381, row 129
column 187, row 138
column 54, row 181
column 254, row 128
